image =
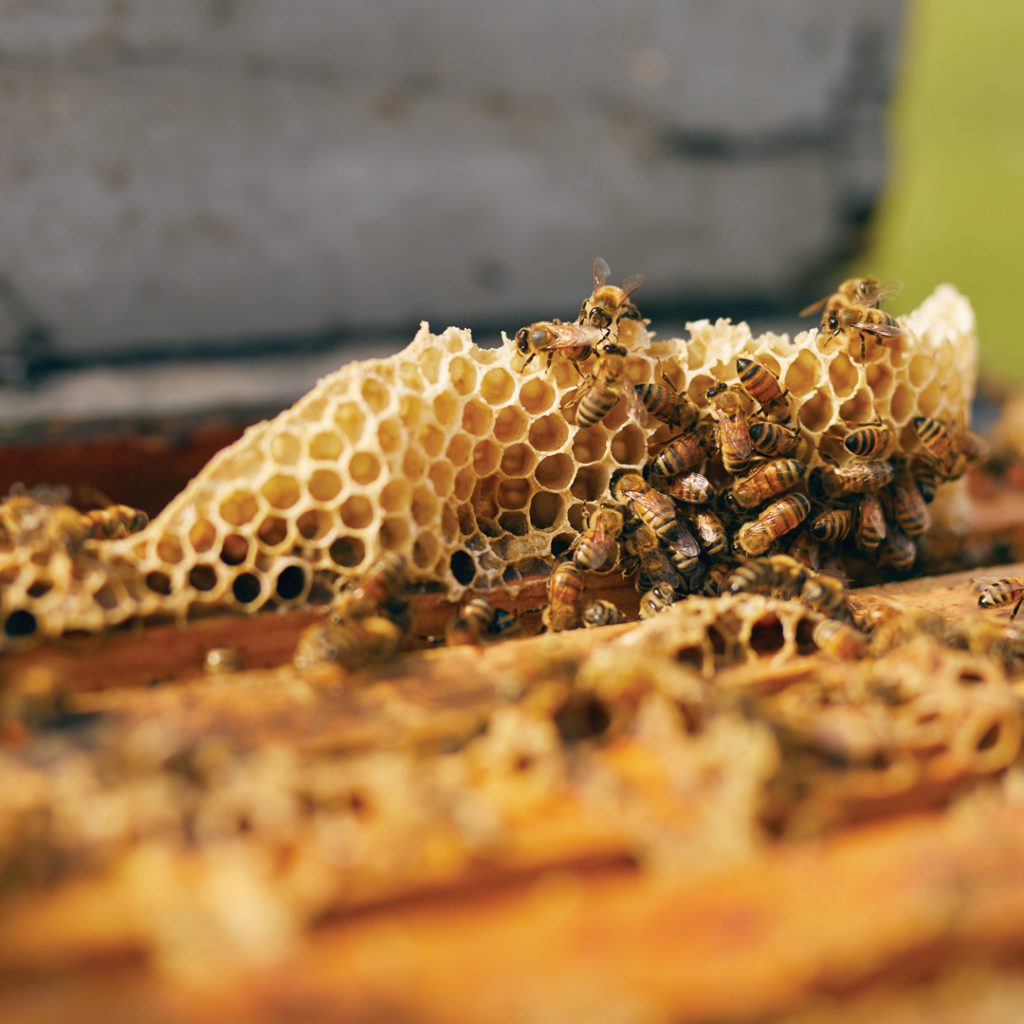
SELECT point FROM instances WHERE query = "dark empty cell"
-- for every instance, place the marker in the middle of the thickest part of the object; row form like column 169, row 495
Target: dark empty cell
column 561, row 543
column 203, row 577
column 106, row 597
column 290, row 582
column 20, row 623
column 805, row 637
column 767, row 637
column 272, row 531
column 692, row 656
column 515, row 523
column 581, row 718
column 545, row 508
column 234, row 549
column 246, row 588
column 989, row 738
column 719, row 642
column 348, row 552
column 39, row 588
column 463, row 567
column 158, row 582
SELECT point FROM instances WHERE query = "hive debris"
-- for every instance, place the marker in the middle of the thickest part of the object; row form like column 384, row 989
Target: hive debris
column 456, row 458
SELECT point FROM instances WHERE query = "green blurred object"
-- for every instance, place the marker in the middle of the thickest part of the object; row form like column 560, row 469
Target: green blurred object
column 954, row 208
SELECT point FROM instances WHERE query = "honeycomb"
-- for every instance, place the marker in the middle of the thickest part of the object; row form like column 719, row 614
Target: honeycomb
column 464, row 462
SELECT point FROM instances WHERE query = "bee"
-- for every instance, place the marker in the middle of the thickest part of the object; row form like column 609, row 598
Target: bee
column 378, row 587
column 352, row 643
column 647, row 504
column 30, row 519
column 926, row 478
column 218, row 660
column 868, row 441
column 908, row 506
column 839, row 640
column 804, row 549
column 666, row 403
column 565, row 589
column 776, row 520
column 113, row 522
column 593, row 547
column 833, row 526
column 1000, row 593
column 716, row 579
column 710, row 531
column 576, row 342
column 681, row 454
column 653, row 565
column 826, row 594
column 602, row 613
column 656, row 600
column 682, row 549
column 765, row 482
column 898, row 552
column 871, row 527
column 857, row 322
column 773, row 439
column 692, row 488
column 609, row 382
column 858, row 478
column 760, row 384
column 951, row 454
column 857, row 291
column 607, row 303
column 733, row 429
column 472, row 622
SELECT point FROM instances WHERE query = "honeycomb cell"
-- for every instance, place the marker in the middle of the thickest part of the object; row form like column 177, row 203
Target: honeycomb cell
column 273, row 531
column 314, row 524
column 697, row 389
column 859, row 408
column 432, row 440
column 564, row 374
column 158, row 582
column 920, row 371
column 629, row 445
column 459, row 448
column 515, row 523
column 902, row 404
column 930, row 399
column 395, row 496
column 816, row 412
column 414, row 464
column 465, row 481
column 376, row 393
column 486, row 456
column 425, row 550
column 281, row 491
column 803, row 374
column 591, row 482
column 234, row 550
column 363, row 468
column 357, row 512
column 286, row 449
column 843, row 375
column 555, row 472
column 514, row 493
column 20, row 623
column 347, row 552
column 536, row 396
column 326, row 446
column 413, row 412
column 462, row 374
column 246, row 588
column 409, row 376
column 477, row 418
column 424, row 505
column 510, row 424
column 430, row 365
column 106, row 597
column 548, row 433
column 546, row 510
column 291, row 583
column 202, row 536
column 590, row 444
column 441, row 476
column 518, row 460
column 390, row 436
column 447, row 409
column 497, row 386
column 577, row 515
column 351, row 420
column 169, row 551
column 561, row 543
column 394, row 532
column 202, row 577
column 239, row 508
column 324, row 484
column 463, row 568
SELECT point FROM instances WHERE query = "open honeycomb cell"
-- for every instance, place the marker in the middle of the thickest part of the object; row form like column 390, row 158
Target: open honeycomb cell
column 463, row 461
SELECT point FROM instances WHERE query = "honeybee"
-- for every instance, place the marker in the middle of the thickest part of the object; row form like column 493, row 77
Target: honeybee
column 656, row 600
column 765, row 482
column 682, row 549
column 839, row 640
column 760, row 384
column 773, row 439
column 653, row 566
column 733, row 429
column 804, row 549
column 926, row 478
column 113, row 522
column 779, row 574
column 692, row 488
column 862, row 323
column 29, row 519
column 833, row 526
column 378, row 587
column 471, row 623
column 856, row 291
column 867, row 441
column 575, row 341
column 1001, row 641
column 609, row 382
column 858, row 478
column 908, row 506
column 607, row 303
column 593, row 547
column 951, row 454
column 899, row 552
column 1000, row 593
column 565, row 589
column 681, row 454
column 825, row 593
column 710, row 531
column 352, row 643
column 647, row 504
column 871, row 527
column 666, row 403
column 716, row 579
column 778, row 519
column 602, row 613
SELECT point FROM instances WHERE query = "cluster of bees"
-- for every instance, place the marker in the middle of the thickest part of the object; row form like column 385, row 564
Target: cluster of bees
column 725, row 505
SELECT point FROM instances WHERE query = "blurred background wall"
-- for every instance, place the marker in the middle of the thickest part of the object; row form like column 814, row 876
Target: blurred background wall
column 209, row 203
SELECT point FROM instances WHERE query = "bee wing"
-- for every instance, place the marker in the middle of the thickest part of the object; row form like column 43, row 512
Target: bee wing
column 886, row 290
column 814, row 306
column 631, row 284
column 683, row 541
column 882, row 330
column 601, row 271
column 634, row 406
column 980, row 583
column 571, row 335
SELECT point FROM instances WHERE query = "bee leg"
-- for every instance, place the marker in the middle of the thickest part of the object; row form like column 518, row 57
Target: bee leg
column 1016, row 607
